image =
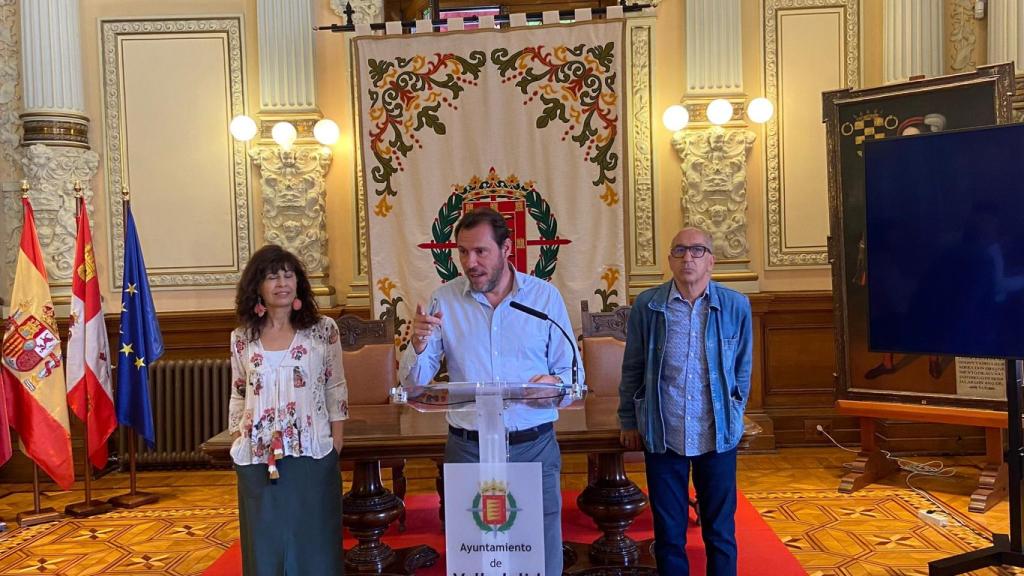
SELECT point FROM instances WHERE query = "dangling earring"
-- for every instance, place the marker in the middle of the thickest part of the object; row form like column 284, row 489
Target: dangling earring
column 296, row 304
column 259, row 308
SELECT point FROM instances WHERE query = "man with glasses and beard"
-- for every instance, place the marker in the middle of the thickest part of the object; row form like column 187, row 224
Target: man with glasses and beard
column 483, row 339
column 685, row 381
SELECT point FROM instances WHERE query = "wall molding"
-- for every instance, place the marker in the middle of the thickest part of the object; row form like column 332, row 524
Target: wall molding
column 644, row 269
column 779, row 254
column 113, row 32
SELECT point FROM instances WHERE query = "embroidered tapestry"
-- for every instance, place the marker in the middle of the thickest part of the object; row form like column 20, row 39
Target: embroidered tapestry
column 525, row 120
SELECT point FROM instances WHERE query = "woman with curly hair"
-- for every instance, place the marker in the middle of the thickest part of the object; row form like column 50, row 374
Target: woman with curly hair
column 288, row 403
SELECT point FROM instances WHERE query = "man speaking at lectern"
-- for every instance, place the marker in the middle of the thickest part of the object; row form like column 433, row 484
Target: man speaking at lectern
column 471, row 324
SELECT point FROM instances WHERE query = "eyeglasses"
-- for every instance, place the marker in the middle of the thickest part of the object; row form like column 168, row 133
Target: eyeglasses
column 680, row 250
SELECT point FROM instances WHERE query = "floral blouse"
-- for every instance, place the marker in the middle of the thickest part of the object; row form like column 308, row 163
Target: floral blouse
column 299, row 398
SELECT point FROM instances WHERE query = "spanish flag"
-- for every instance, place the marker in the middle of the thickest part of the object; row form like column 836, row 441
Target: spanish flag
column 32, row 372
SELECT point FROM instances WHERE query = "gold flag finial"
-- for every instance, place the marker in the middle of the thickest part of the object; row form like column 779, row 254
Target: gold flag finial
column 78, row 188
column 24, row 188
column 125, row 196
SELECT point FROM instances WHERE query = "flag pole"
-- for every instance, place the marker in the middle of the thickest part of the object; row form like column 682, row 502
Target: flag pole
column 134, row 498
column 87, row 507
column 38, row 514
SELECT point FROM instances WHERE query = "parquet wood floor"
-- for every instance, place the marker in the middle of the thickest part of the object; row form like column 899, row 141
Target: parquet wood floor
column 875, row 531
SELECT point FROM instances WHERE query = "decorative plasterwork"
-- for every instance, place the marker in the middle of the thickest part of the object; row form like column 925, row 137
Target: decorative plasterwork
column 780, row 255
column 10, row 91
column 714, row 164
column 365, row 11
column 963, row 36
column 228, row 28
column 644, row 266
column 294, row 200
column 52, row 172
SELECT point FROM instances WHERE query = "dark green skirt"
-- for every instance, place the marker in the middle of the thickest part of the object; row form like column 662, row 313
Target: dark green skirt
column 291, row 526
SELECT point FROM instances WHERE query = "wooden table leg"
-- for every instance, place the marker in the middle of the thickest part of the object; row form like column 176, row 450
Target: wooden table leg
column 993, row 483
column 613, row 501
column 367, row 510
column 871, row 465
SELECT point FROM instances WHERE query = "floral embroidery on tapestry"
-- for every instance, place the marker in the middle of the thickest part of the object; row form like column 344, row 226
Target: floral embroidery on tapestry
column 577, row 87
column 405, row 97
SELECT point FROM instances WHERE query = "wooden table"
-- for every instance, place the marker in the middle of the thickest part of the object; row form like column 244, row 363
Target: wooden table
column 374, row 433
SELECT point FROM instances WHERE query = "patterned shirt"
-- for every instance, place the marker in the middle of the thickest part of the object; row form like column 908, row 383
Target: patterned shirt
column 299, row 397
column 686, row 388
column 482, row 343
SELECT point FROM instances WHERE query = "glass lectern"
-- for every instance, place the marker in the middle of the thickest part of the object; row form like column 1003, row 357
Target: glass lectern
column 494, row 508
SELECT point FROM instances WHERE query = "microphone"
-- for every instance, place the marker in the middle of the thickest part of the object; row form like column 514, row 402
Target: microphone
column 576, row 390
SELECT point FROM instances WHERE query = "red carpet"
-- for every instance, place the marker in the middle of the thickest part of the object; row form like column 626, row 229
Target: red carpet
column 758, row 545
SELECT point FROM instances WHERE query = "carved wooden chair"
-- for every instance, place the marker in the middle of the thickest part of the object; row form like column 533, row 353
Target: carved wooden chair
column 371, row 369
column 602, row 348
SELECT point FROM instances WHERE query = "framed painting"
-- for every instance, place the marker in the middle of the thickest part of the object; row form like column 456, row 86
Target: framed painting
column 853, row 117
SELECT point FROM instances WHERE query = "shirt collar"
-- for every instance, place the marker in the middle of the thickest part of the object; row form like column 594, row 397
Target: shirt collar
column 673, row 293
column 467, row 289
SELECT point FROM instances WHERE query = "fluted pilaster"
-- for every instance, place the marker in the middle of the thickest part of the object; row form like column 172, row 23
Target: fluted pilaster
column 55, row 140
column 52, row 58
column 1005, row 37
column 714, row 45
column 912, row 39
column 287, row 78
column 292, row 181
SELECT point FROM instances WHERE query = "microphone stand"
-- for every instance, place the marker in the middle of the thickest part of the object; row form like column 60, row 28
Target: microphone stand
column 576, row 391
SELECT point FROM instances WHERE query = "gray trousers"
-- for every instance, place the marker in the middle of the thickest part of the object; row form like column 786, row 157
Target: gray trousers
column 291, row 526
column 544, row 450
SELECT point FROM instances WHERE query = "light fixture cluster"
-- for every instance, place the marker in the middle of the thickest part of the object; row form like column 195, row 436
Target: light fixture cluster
column 719, row 111
column 243, row 129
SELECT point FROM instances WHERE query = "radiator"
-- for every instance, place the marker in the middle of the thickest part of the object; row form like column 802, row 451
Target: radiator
column 190, row 405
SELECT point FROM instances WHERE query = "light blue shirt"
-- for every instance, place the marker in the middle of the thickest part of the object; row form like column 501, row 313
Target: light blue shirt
column 689, row 416
column 490, row 344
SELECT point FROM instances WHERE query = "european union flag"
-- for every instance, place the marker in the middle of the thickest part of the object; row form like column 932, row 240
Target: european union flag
column 141, row 342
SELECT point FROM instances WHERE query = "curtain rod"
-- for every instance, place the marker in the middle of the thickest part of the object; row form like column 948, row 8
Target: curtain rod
column 498, row 18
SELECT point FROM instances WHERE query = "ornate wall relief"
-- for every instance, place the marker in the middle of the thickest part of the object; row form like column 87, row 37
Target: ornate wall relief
column 293, row 189
column 644, row 270
column 714, row 164
column 10, row 92
column 10, row 137
column 364, row 11
column 817, row 26
column 210, row 179
column 52, row 172
column 963, row 36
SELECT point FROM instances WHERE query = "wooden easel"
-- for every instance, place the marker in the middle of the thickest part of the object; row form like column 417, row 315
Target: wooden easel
column 871, row 465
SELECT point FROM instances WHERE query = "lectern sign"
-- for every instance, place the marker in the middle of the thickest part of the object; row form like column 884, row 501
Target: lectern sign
column 494, row 519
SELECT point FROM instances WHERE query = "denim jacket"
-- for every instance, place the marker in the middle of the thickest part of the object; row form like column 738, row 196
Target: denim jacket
column 728, row 339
